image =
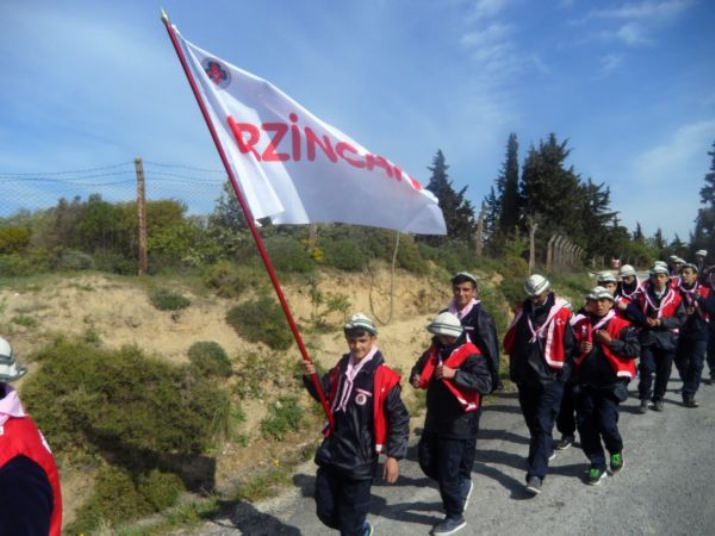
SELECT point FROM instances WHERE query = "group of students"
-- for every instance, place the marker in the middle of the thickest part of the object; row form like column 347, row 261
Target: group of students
column 571, row 369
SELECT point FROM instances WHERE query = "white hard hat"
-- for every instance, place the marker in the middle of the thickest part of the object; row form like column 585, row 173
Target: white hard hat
column 360, row 321
column 536, row 284
column 701, row 253
column 599, row 293
column 446, row 324
column 9, row 371
column 606, row 277
column 627, row 270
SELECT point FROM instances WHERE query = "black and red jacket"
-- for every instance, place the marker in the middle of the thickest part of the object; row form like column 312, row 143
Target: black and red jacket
column 374, row 421
column 605, row 364
column 29, row 473
column 699, row 302
column 668, row 308
column 452, row 404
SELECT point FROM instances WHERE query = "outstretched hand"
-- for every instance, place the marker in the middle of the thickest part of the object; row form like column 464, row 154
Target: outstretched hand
column 391, row 470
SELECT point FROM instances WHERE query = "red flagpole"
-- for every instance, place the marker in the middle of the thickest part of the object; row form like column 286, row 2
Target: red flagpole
column 247, row 213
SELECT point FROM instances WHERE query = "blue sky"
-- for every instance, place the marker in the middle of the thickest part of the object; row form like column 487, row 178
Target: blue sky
column 631, row 84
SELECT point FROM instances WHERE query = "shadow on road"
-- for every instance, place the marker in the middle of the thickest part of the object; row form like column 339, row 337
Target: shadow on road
column 501, row 435
column 243, row 516
column 502, row 408
column 409, row 512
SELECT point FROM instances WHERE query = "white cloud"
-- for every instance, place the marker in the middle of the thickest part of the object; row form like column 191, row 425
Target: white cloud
column 485, row 9
column 648, row 9
column 634, row 23
column 610, row 63
column 633, row 33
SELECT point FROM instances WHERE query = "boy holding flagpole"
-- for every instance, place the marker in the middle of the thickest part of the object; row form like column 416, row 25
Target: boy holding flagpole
column 370, row 422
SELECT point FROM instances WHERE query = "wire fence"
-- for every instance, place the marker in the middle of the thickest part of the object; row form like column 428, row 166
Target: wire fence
column 197, row 188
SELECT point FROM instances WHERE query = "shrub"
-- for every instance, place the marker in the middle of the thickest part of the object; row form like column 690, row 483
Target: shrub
column 14, row 239
column 344, row 254
column 71, row 259
column 288, row 255
column 409, row 258
column 261, row 320
column 285, row 415
column 166, row 300
column 161, row 490
column 231, row 280
column 22, row 264
column 120, row 403
column 210, row 359
column 115, row 499
column 115, row 263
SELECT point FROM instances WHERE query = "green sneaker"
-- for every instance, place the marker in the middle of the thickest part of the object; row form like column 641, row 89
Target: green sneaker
column 616, row 462
column 594, row 476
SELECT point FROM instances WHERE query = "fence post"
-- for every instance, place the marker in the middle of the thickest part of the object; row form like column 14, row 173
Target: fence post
column 141, row 215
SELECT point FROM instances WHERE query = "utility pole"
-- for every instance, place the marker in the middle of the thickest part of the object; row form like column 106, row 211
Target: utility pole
column 141, row 215
column 480, row 231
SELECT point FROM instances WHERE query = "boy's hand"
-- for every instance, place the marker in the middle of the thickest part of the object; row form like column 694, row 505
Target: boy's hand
column 415, row 381
column 586, row 346
column 443, row 372
column 602, row 336
column 390, row 471
column 308, row 368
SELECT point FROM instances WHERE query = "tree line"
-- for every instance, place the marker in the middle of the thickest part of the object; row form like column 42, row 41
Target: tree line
column 547, row 194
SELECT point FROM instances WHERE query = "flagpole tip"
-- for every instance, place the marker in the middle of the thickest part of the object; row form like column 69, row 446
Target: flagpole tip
column 164, row 16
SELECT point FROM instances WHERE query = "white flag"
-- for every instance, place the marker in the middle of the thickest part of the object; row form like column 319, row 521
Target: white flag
column 295, row 168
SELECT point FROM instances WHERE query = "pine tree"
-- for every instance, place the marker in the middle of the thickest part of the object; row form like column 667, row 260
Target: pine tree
column 550, row 191
column 638, row 235
column 508, row 183
column 704, row 235
column 458, row 211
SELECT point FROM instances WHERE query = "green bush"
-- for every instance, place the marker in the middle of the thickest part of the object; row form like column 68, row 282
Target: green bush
column 166, row 300
column 14, row 239
column 288, row 255
column 409, row 257
column 284, row 415
column 261, row 320
column 23, row 264
column 120, row 403
column 210, row 359
column 161, row 490
column 344, row 254
column 231, row 280
column 115, row 263
column 117, row 499
column 73, row 260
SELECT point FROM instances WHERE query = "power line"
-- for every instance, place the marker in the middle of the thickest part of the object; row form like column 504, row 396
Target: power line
column 182, row 166
column 66, row 172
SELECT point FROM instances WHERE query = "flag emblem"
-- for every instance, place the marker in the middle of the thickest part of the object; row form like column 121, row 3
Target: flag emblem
column 218, row 74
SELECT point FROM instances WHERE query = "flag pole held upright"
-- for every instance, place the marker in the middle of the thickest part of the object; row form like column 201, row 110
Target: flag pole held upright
column 247, row 213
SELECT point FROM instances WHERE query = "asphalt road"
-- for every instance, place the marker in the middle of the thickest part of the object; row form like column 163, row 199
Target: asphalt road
column 667, row 486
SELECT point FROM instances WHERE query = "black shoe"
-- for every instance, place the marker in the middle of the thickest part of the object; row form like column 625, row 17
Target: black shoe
column 643, row 408
column 708, row 381
column 617, row 462
column 690, row 402
column 594, row 476
column 658, row 405
column 449, row 526
column 533, row 485
column 565, row 442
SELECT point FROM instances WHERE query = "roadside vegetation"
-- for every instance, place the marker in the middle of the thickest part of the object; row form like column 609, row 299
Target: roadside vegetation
column 146, row 432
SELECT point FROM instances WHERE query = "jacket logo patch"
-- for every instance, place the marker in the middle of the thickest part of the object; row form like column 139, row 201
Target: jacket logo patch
column 362, row 396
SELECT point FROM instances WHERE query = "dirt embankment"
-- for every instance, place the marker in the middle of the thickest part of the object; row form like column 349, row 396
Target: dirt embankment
column 118, row 312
